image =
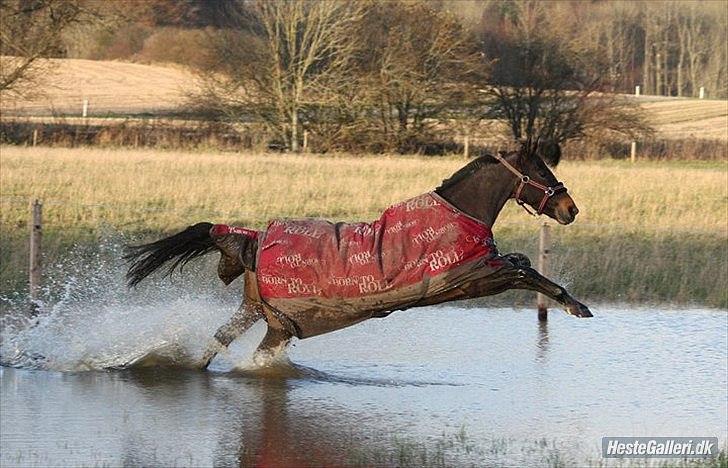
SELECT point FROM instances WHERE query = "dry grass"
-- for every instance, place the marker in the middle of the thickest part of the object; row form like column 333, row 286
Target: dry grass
column 110, row 87
column 122, row 188
column 647, row 231
column 688, row 118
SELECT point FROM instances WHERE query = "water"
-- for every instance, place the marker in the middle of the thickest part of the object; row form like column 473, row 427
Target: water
column 483, row 385
column 435, row 386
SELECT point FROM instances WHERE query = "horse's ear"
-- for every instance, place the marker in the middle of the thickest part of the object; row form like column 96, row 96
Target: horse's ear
column 550, row 152
column 524, row 148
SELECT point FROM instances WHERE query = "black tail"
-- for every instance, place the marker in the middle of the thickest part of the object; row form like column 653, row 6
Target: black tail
column 193, row 242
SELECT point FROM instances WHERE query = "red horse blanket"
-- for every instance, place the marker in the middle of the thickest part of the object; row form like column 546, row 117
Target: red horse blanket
column 417, row 249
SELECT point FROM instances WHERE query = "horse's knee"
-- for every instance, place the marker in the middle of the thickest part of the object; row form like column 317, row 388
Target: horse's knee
column 517, row 259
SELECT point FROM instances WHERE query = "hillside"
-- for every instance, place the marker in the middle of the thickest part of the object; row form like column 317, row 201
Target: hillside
column 686, row 117
column 121, row 88
column 111, row 88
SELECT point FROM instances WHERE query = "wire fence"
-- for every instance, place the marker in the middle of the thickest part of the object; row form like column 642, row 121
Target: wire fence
column 720, row 230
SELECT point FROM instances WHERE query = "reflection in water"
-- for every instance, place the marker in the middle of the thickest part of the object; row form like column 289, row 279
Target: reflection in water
column 388, row 389
column 174, row 416
column 542, row 343
column 286, row 436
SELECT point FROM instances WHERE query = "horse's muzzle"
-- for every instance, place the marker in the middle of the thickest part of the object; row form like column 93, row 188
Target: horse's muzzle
column 566, row 210
column 567, row 216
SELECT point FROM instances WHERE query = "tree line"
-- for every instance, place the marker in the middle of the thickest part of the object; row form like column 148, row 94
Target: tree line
column 398, row 75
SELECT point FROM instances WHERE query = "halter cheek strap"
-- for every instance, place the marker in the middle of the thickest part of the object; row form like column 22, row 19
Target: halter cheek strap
column 524, row 180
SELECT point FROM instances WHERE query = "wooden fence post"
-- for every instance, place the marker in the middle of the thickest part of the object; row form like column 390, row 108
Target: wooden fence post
column 305, row 141
column 701, row 94
column 544, row 249
column 35, row 136
column 633, row 151
column 466, row 145
column 637, row 90
column 84, row 111
column 36, row 234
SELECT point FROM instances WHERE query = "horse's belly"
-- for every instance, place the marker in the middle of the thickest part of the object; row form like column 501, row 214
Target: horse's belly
column 317, row 315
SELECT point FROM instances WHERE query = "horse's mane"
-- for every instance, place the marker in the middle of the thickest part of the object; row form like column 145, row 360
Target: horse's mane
column 549, row 151
column 468, row 170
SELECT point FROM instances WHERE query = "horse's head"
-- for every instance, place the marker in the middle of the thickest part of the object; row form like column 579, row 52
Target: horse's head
column 536, row 184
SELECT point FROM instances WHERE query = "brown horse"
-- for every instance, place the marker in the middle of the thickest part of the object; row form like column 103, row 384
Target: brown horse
column 477, row 193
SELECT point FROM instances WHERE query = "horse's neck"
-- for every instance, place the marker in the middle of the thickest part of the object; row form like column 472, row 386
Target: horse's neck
column 483, row 194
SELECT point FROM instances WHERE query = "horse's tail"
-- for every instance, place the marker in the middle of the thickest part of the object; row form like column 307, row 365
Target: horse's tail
column 193, row 242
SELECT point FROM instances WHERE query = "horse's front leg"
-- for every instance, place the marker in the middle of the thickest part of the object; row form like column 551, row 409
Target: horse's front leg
column 528, row 278
column 244, row 318
column 518, row 274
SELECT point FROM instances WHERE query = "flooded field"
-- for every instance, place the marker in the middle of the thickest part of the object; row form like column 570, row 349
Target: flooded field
column 436, row 386
column 439, row 386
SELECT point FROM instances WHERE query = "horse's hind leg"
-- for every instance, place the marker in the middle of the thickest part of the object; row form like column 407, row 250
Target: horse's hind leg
column 244, row 318
column 275, row 341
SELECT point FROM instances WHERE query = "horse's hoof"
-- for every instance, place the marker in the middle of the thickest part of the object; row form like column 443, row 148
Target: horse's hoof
column 579, row 310
column 205, row 361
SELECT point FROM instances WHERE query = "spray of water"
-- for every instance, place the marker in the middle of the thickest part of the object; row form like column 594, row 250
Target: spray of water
column 88, row 319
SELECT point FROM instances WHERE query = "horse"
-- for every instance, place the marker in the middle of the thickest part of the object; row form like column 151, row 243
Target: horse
column 395, row 271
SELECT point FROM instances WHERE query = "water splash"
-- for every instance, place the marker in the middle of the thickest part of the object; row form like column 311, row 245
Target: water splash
column 88, row 319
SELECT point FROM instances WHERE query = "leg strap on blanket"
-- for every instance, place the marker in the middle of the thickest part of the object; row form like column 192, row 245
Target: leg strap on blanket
column 272, row 315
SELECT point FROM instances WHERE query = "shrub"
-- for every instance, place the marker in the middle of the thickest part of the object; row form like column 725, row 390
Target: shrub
column 175, row 45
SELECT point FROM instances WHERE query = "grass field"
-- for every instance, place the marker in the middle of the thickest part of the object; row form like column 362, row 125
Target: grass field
column 688, row 118
column 646, row 232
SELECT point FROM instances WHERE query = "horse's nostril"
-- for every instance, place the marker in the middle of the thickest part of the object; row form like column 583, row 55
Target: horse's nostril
column 573, row 211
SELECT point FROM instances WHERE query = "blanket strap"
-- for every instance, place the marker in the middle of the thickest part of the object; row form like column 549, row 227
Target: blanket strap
column 252, row 296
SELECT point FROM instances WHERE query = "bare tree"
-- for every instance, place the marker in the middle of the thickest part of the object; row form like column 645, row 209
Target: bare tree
column 715, row 72
column 611, row 28
column 277, row 58
column 29, row 31
column 545, row 88
column 420, row 62
column 693, row 29
column 663, row 46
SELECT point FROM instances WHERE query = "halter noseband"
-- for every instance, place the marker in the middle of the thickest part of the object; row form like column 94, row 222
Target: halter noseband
column 548, row 192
